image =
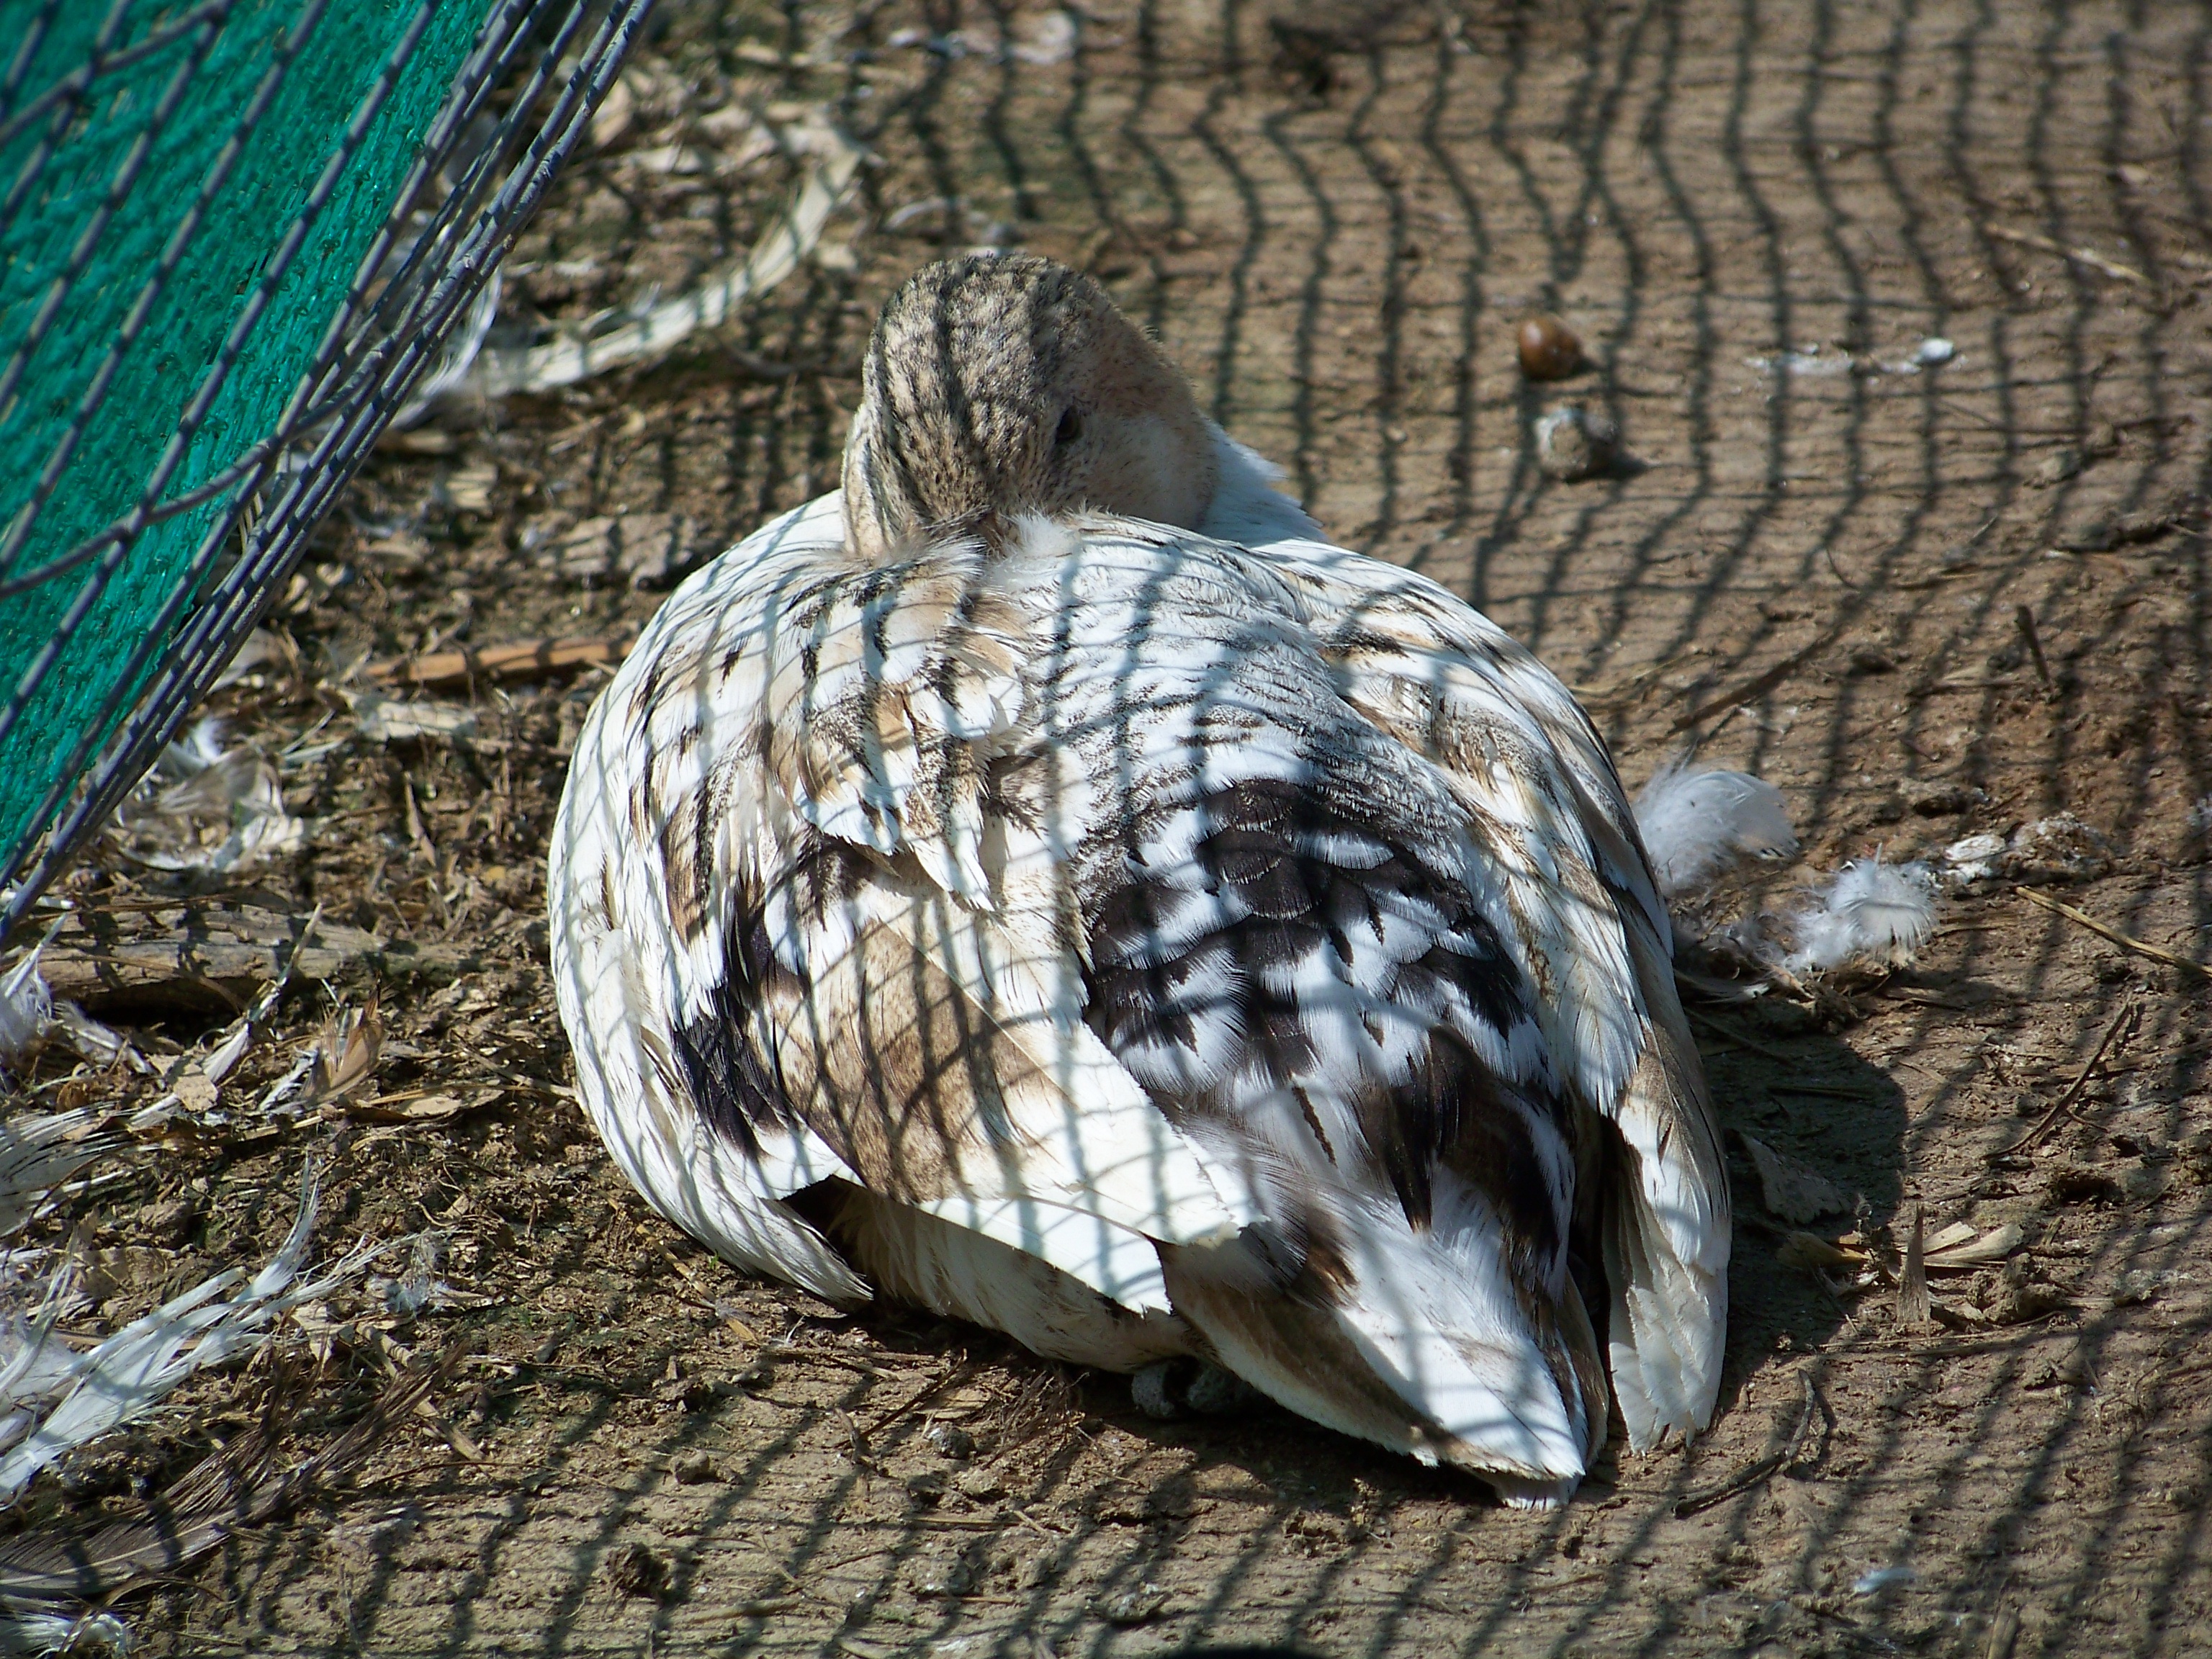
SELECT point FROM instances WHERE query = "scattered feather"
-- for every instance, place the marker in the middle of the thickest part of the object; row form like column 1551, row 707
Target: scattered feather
column 208, row 808
column 1872, row 913
column 222, row 1060
column 33, row 1631
column 27, row 1005
column 260, row 649
column 39, row 1151
column 1698, row 825
column 42, row 1574
column 418, row 1287
column 94, row 1041
column 280, row 1092
column 721, row 294
column 1878, row 1579
column 345, row 1058
column 126, row 1378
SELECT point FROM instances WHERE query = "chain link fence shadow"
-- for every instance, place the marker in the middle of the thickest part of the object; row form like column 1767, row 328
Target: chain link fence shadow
column 1898, row 309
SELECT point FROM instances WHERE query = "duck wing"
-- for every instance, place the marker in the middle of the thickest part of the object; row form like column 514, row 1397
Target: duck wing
column 1588, row 924
column 1294, row 943
column 791, row 943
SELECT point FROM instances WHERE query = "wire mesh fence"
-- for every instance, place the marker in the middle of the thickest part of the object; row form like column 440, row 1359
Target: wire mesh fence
column 235, row 237
column 1936, row 592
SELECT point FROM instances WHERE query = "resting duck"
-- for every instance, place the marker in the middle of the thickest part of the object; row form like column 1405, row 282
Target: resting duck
column 1046, row 881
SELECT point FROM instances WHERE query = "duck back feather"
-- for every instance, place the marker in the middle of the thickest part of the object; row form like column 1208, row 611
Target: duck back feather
column 1144, row 944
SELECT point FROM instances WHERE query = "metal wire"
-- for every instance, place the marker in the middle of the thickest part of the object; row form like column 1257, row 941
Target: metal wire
column 375, row 350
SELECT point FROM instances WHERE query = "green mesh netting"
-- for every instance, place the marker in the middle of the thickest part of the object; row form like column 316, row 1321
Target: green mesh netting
column 224, row 152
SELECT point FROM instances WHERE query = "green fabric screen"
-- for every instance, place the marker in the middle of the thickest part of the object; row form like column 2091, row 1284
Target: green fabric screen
column 259, row 94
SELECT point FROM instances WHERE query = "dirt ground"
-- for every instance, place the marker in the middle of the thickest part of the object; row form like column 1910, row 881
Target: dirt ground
column 1817, row 564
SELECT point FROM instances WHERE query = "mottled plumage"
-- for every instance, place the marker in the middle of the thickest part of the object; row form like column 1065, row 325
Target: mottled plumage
column 1147, row 941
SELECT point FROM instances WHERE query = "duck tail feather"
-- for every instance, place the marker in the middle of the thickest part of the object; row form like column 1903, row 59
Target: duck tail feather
column 1417, row 1339
column 1666, row 1243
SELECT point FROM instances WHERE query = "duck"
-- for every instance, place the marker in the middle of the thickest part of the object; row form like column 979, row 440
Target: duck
column 1044, row 881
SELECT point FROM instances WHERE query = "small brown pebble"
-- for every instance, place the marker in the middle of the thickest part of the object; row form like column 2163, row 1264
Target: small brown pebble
column 169, row 1221
column 1549, row 348
column 634, row 1570
column 951, row 1440
column 694, row 1468
column 1573, row 443
column 980, row 1485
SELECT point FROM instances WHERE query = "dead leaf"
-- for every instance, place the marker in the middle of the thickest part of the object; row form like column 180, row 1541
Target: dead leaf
column 353, row 1041
column 1956, row 1248
column 1812, row 1254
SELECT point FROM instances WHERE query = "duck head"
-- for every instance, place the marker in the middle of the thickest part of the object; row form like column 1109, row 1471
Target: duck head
column 1000, row 386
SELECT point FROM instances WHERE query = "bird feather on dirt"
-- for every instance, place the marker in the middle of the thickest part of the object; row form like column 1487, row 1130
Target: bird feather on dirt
column 1047, row 882
column 1699, row 822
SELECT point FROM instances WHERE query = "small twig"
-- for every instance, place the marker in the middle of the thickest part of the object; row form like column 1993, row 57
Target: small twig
column 2065, row 1103
column 2079, row 255
column 525, row 660
column 2125, row 941
column 1757, row 686
column 858, row 1451
column 1744, row 1478
column 951, row 1374
column 1730, row 1034
column 2025, row 620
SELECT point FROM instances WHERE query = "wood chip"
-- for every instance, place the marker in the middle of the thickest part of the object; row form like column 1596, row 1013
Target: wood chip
column 1958, row 1249
column 2080, row 256
column 212, row 958
column 1912, row 1302
column 524, row 660
column 1810, row 1253
column 384, row 720
column 1791, row 1190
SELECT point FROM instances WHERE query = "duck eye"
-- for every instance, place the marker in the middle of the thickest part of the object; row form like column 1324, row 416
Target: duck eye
column 1070, row 430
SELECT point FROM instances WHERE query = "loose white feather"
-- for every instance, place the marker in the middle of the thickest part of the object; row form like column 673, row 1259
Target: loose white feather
column 1699, row 824
column 27, row 1004
column 128, row 1375
column 208, row 808
column 1872, row 913
column 33, row 1631
column 39, row 1151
